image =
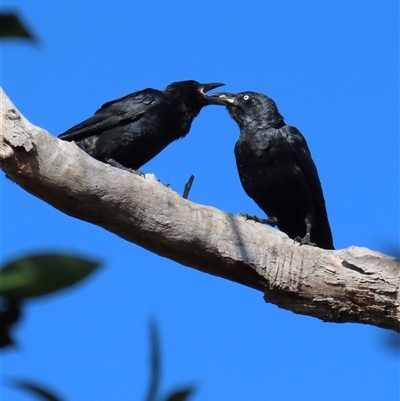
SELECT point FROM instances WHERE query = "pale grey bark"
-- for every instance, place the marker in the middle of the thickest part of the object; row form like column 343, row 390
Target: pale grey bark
column 349, row 285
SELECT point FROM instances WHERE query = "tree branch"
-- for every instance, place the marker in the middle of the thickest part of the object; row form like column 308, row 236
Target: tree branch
column 350, row 285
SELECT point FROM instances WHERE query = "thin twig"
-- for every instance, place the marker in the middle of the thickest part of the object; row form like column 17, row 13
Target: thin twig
column 188, row 186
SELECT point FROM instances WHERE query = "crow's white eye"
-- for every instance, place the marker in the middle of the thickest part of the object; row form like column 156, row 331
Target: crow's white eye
column 246, row 97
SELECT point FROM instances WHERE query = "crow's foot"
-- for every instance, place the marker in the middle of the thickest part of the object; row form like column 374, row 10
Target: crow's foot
column 272, row 221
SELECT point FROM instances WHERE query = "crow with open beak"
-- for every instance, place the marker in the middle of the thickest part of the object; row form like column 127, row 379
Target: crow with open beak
column 129, row 131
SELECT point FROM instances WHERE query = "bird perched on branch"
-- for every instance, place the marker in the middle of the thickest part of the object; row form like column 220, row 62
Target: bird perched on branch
column 129, row 131
column 276, row 169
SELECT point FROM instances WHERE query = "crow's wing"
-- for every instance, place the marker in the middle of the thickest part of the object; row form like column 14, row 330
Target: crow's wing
column 120, row 111
column 300, row 148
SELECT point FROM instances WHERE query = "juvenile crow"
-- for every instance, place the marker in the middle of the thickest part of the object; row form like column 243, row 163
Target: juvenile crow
column 130, row 131
column 276, row 169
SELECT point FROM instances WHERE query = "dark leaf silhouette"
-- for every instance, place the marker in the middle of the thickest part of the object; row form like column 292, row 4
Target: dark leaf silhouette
column 11, row 26
column 34, row 389
column 10, row 313
column 155, row 362
column 181, row 395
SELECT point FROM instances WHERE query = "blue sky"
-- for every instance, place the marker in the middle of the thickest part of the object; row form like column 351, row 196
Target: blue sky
column 332, row 67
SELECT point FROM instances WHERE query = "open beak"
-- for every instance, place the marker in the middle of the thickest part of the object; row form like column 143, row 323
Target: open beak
column 207, row 87
column 204, row 88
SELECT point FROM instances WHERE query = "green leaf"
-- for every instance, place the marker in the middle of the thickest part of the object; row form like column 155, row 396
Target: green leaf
column 34, row 389
column 38, row 275
column 180, row 395
column 11, row 26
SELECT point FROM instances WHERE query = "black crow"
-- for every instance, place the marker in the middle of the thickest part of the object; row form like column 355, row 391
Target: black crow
column 130, row 131
column 276, row 169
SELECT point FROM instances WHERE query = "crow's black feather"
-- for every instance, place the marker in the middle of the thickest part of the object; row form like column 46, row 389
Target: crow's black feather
column 276, row 169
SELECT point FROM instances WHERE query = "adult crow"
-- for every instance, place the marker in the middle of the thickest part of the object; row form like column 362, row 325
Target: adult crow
column 276, row 169
column 130, row 131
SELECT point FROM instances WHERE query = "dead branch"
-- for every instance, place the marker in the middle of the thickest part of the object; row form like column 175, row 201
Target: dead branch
column 350, row 285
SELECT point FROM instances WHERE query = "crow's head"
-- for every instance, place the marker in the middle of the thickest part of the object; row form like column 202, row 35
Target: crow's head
column 192, row 94
column 247, row 107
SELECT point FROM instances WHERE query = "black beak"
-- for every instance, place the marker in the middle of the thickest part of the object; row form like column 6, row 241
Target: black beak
column 228, row 99
column 204, row 88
